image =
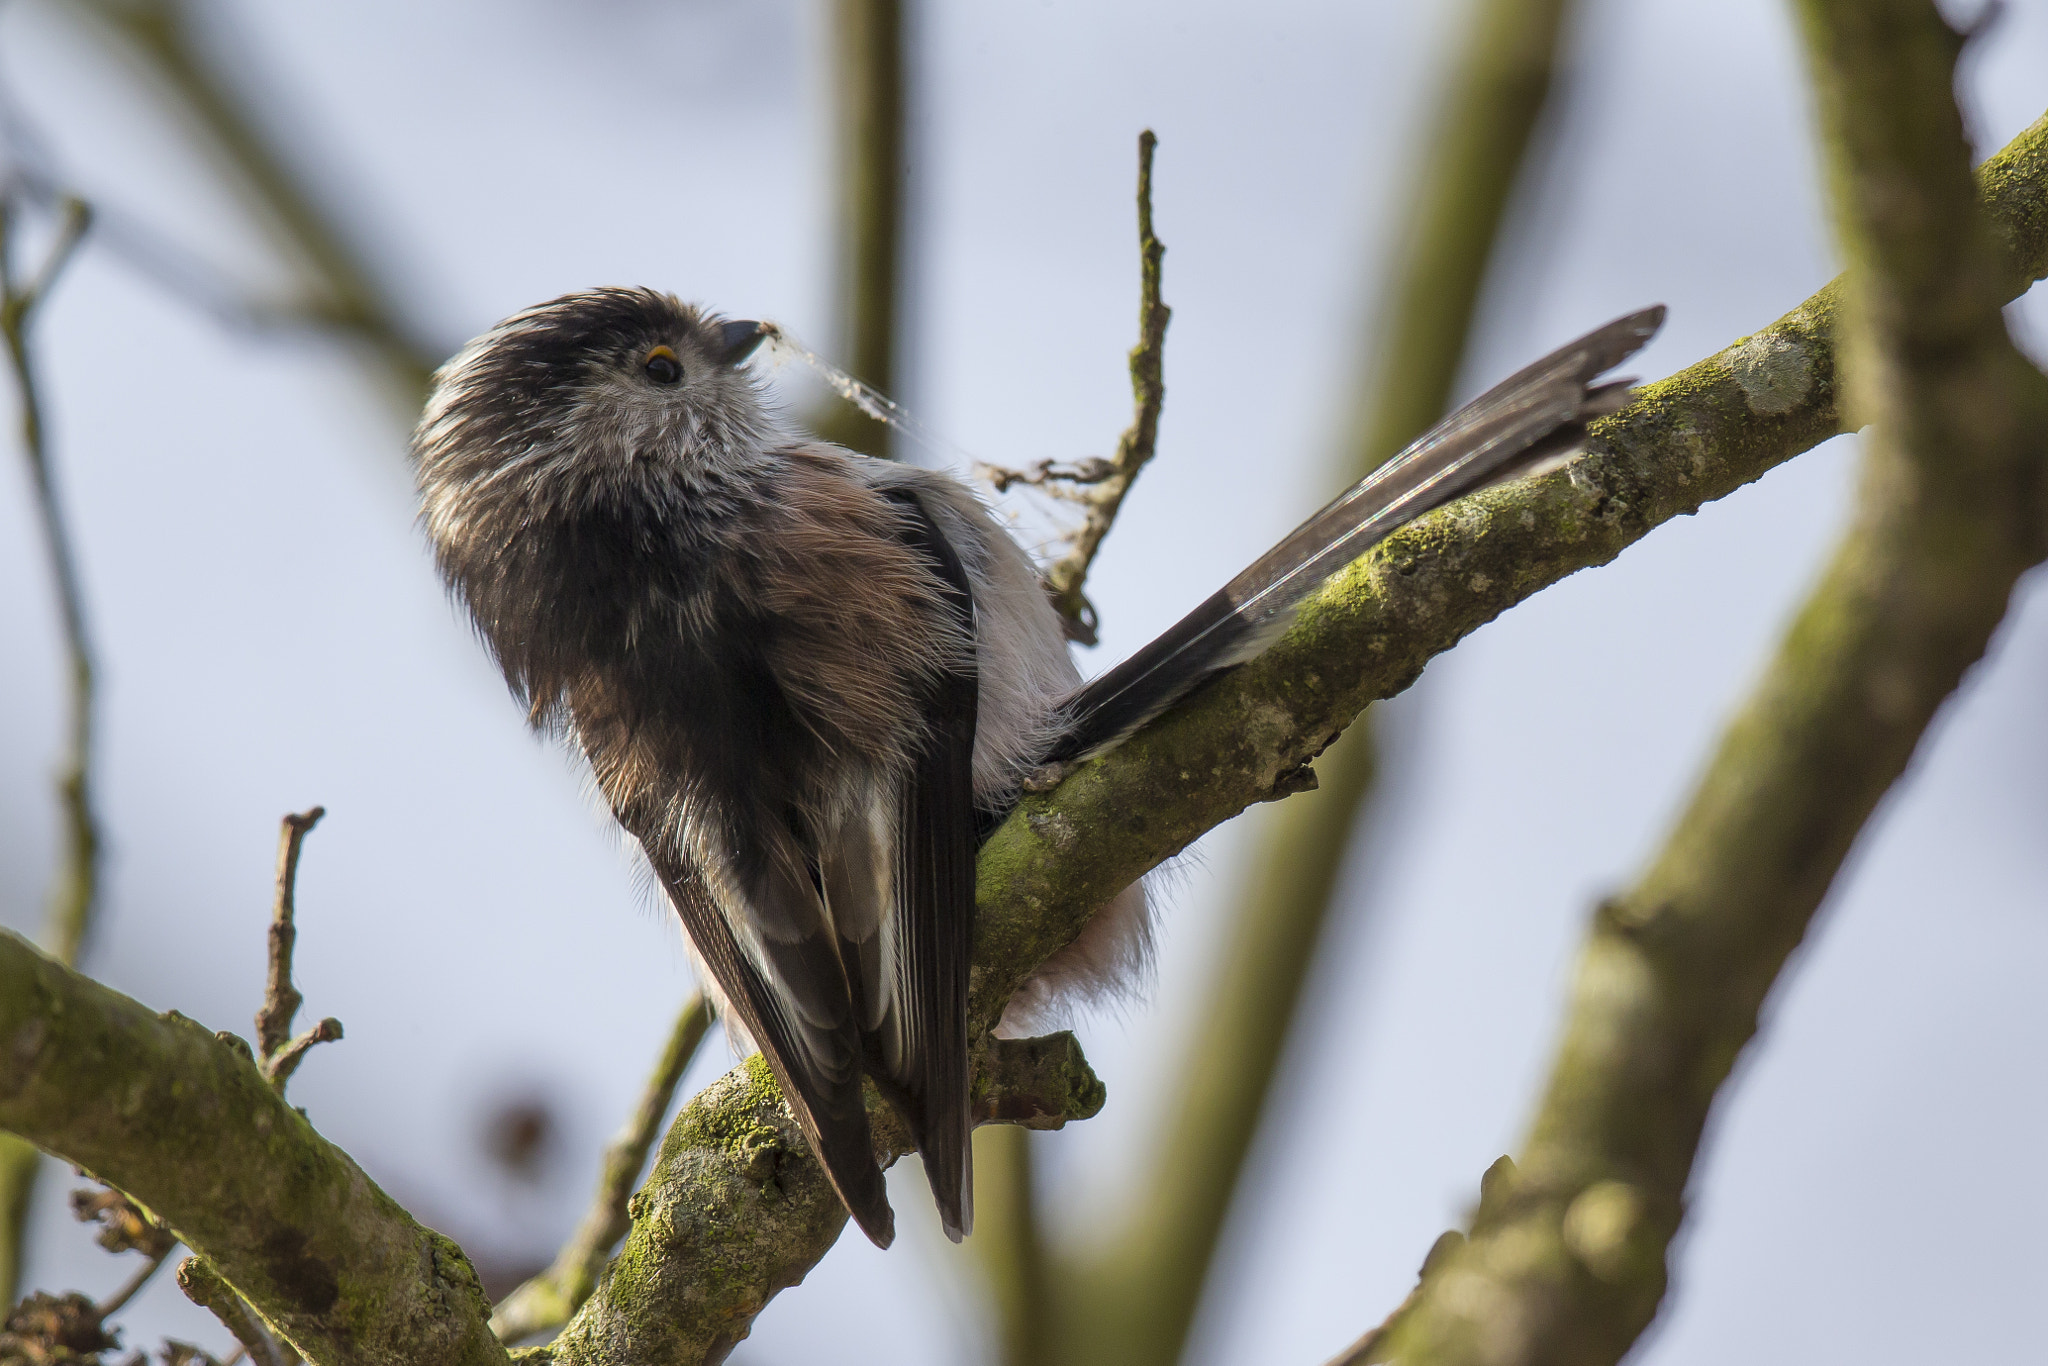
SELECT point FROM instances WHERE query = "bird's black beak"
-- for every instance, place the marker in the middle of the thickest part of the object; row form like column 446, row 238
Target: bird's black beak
column 737, row 341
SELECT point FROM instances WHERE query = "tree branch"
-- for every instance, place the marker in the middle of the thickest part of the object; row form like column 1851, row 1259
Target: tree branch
column 1685, row 441
column 189, row 1125
column 281, row 1000
column 1567, row 1262
column 74, row 892
column 737, row 1209
column 546, row 1301
column 198, row 1135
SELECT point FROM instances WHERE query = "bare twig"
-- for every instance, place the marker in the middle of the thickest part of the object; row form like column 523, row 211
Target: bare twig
column 546, row 1301
column 278, row 1051
column 205, row 1287
column 75, row 891
column 1099, row 485
column 1695, row 436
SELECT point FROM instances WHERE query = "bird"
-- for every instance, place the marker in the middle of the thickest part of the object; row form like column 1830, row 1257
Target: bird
column 807, row 682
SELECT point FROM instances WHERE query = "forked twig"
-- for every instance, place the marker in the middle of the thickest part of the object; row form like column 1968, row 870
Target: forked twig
column 278, row 1052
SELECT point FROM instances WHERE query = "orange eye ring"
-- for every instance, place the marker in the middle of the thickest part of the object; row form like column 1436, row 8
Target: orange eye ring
column 662, row 367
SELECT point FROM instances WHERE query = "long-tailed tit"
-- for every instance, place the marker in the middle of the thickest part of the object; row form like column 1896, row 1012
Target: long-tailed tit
column 806, row 681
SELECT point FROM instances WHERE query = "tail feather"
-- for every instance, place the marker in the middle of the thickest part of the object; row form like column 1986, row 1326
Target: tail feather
column 1533, row 417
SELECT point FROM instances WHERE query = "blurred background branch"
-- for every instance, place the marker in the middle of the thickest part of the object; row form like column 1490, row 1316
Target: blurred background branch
column 1135, row 1300
column 345, row 290
column 868, row 55
column 1568, row 1260
column 548, row 1300
column 74, row 891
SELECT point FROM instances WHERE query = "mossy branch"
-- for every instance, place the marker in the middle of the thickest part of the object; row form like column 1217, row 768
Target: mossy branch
column 736, row 1209
column 1567, row 1261
column 187, row 1123
column 204, row 1287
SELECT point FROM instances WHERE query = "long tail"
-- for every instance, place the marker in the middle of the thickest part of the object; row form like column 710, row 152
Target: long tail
column 1533, row 417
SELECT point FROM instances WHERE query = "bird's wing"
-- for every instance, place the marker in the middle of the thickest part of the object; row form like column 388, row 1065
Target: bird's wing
column 1520, row 423
column 781, row 974
column 923, row 970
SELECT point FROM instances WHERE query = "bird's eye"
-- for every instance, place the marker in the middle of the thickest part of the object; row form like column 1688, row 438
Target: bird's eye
column 662, row 366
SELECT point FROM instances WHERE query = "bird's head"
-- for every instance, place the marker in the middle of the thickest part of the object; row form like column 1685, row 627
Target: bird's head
column 587, row 395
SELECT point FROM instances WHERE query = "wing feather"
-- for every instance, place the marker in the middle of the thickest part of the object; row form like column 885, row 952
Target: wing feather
column 815, row 1056
column 933, row 917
